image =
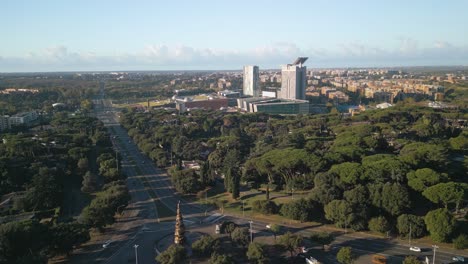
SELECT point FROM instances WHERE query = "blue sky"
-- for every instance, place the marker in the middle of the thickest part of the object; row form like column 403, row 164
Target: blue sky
column 181, row 34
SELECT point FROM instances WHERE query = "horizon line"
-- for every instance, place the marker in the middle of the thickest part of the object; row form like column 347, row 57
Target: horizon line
column 232, row 70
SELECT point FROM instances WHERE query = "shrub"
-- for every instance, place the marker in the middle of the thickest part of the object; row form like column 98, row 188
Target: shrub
column 379, row 224
column 265, row 207
column 461, row 242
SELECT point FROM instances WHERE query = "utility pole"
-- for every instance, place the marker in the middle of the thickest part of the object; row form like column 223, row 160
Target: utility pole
column 136, row 253
column 206, row 202
column 251, row 235
column 435, row 248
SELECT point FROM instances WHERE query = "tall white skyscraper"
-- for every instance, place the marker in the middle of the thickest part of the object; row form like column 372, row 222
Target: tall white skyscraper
column 251, row 78
column 293, row 80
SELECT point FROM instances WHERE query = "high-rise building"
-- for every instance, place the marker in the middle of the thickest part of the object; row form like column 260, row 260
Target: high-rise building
column 293, row 80
column 251, row 78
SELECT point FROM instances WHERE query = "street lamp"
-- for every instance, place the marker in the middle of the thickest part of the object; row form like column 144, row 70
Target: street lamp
column 251, row 236
column 136, row 253
column 435, row 248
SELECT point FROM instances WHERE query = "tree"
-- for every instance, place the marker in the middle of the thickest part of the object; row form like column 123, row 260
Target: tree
column 67, row 235
column 82, row 164
column 89, row 183
column 185, row 181
column 440, row 224
column 275, row 229
column 339, row 212
column 348, row 172
column 302, row 209
column 44, row 192
column 240, row 236
column 205, row 246
column 411, row 260
column 256, row 254
column 264, row 207
column 228, row 227
column 322, row 238
column 423, row 178
column 418, row 227
column 357, row 196
column 379, row 224
column 100, row 212
column 392, row 198
column 447, row 193
column 459, row 143
column 345, row 255
column 220, row 259
column 19, row 240
column 290, row 242
column 423, row 155
column 461, row 242
column 174, row 254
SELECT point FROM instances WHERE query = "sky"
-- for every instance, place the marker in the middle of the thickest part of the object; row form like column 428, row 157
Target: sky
column 101, row 35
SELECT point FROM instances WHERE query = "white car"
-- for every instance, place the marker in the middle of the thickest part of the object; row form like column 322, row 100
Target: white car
column 106, row 244
column 458, row 258
column 268, row 226
column 415, row 249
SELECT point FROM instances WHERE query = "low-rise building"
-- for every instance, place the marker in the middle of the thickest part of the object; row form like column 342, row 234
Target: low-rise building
column 5, row 123
column 24, row 118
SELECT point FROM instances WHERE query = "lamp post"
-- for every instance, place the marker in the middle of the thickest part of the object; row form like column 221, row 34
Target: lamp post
column 435, row 248
column 136, row 253
column 251, row 235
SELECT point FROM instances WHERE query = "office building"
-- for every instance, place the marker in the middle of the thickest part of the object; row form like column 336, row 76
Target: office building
column 293, row 80
column 4, row 123
column 251, row 79
column 24, row 118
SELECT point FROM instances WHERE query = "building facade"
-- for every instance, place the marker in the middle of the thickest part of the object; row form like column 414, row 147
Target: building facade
column 4, row 123
column 25, row 118
column 251, row 80
column 293, row 80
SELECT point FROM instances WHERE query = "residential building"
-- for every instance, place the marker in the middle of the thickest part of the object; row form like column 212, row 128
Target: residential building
column 5, row 122
column 251, row 79
column 293, row 80
column 24, row 118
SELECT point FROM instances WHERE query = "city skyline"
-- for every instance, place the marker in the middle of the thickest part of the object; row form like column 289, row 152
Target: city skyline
column 64, row 36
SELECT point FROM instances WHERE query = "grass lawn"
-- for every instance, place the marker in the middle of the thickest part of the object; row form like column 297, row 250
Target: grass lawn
column 223, row 200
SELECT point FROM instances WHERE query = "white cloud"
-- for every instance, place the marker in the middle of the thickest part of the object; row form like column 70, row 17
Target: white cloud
column 161, row 56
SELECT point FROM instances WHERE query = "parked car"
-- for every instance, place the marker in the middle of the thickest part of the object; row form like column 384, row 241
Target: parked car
column 458, row 259
column 415, row 249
